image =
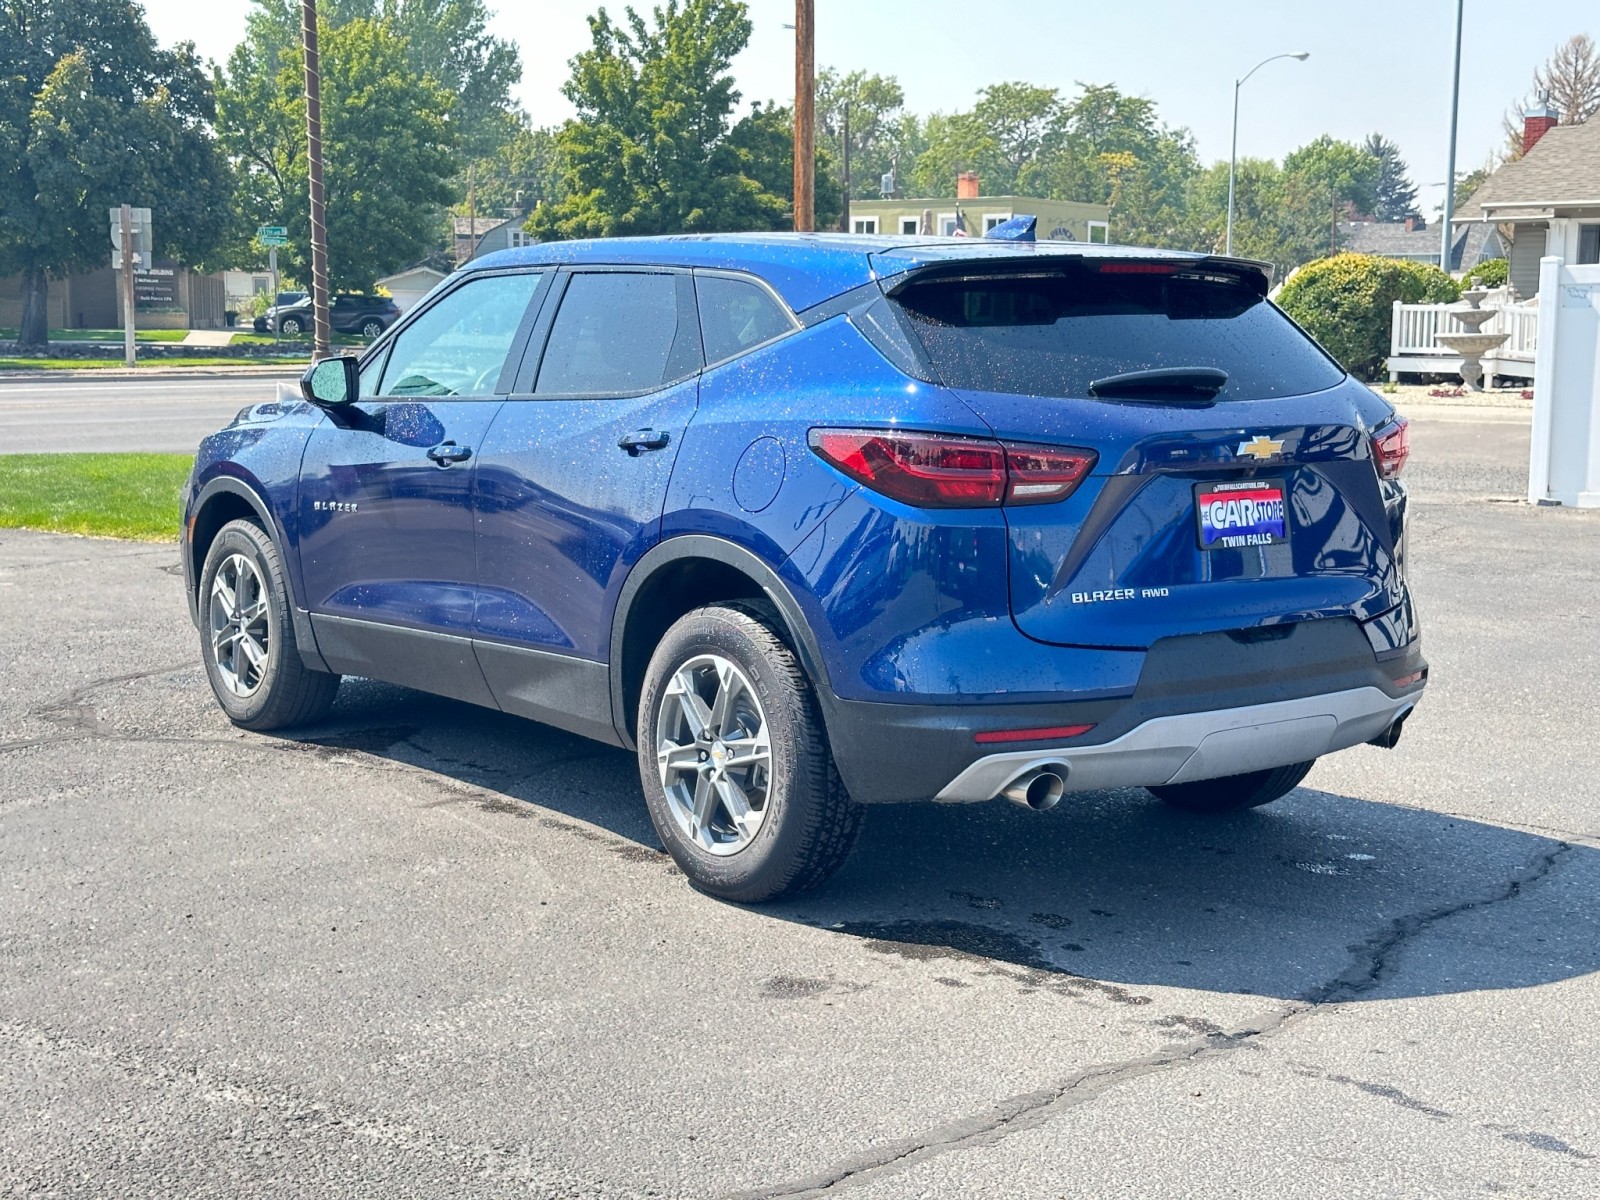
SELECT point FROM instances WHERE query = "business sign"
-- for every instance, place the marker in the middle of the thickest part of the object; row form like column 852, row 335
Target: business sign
column 157, row 287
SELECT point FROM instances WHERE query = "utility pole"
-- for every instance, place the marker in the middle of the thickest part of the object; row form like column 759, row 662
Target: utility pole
column 321, row 345
column 805, row 112
column 1450, row 169
column 844, row 215
column 128, row 355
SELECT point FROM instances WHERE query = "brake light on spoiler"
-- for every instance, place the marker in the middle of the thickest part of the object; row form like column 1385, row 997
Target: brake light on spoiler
column 936, row 470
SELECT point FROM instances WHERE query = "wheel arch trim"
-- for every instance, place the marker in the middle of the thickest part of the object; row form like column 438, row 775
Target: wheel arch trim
column 691, row 546
column 232, row 485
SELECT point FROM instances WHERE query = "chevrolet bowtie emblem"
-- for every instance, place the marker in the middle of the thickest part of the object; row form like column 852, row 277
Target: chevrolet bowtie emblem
column 1262, row 447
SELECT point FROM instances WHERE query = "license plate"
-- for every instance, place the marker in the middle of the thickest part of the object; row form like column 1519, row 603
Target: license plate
column 1241, row 514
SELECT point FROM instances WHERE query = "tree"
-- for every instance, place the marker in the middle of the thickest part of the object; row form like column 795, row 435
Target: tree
column 387, row 146
column 653, row 148
column 1394, row 196
column 1007, row 132
column 1570, row 78
column 1341, row 172
column 523, row 172
column 1468, row 183
column 1279, row 218
column 93, row 114
column 876, row 124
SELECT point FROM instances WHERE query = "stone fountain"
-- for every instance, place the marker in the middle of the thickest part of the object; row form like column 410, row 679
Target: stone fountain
column 1474, row 345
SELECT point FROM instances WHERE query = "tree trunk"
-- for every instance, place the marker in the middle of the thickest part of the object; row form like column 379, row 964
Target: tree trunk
column 34, row 333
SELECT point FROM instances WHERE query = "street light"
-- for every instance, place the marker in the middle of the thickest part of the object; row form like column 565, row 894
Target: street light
column 1233, row 158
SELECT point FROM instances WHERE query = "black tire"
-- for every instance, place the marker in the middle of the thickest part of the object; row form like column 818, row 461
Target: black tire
column 809, row 823
column 371, row 329
column 291, row 326
column 282, row 691
column 1233, row 793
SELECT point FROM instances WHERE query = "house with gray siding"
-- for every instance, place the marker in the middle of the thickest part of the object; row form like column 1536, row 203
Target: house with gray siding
column 1548, row 201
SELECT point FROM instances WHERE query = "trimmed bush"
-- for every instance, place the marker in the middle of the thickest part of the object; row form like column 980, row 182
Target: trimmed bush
column 1490, row 273
column 1347, row 303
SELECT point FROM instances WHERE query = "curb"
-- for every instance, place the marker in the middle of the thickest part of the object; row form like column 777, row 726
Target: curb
column 41, row 375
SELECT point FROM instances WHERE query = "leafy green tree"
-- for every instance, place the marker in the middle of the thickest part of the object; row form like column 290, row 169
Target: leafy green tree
column 1342, row 172
column 875, row 104
column 93, row 114
column 1394, row 195
column 388, row 148
column 654, row 148
column 1278, row 218
column 1007, row 133
column 523, row 172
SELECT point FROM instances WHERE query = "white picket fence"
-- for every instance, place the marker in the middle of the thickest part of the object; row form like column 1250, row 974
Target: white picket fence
column 1414, row 348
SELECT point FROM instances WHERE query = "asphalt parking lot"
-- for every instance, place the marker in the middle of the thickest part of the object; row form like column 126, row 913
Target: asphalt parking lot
column 425, row 949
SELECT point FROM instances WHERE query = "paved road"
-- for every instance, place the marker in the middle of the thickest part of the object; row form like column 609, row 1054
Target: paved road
column 428, row 950
column 121, row 413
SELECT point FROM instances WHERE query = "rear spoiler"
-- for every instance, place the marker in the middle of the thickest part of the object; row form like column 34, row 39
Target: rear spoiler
column 1257, row 275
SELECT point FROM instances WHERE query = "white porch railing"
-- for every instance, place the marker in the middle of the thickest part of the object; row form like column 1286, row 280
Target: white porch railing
column 1413, row 334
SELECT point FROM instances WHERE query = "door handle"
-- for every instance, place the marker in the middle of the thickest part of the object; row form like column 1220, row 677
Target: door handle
column 449, row 453
column 637, row 442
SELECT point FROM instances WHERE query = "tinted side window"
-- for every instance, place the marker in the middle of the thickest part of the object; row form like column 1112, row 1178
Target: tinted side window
column 1054, row 335
column 618, row 332
column 735, row 314
column 459, row 345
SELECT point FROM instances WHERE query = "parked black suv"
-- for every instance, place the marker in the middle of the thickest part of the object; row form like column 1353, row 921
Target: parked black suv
column 367, row 315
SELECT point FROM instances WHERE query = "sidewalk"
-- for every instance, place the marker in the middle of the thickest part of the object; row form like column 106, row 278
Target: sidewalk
column 154, row 370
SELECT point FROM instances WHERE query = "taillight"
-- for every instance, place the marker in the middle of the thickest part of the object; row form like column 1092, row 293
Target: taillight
column 1391, row 446
column 935, row 470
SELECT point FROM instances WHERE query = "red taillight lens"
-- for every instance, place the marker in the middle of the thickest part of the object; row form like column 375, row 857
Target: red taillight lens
column 935, row 470
column 1042, row 474
column 925, row 469
column 1391, row 446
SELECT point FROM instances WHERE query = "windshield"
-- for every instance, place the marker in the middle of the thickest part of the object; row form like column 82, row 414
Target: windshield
column 1054, row 334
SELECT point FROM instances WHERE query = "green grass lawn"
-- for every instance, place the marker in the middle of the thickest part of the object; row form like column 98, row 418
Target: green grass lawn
column 104, row 335
column 100, row 364
column 104, row 495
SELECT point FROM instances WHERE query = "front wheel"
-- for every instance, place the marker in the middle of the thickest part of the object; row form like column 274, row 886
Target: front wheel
column 247, row 635
column 734, row 761
column 291, row 326
column 371, row 329
column 1232, row 793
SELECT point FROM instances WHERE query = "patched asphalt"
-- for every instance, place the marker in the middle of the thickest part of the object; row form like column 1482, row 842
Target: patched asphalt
column 425, row 949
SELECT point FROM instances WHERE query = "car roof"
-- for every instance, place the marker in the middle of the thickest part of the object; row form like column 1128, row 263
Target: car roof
column 806, row 269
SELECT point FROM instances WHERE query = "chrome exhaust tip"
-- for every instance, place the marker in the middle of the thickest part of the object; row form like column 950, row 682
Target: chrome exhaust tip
column 1039, row 788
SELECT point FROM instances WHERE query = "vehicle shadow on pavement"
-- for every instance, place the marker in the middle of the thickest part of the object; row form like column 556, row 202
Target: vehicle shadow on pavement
column 1317, row 897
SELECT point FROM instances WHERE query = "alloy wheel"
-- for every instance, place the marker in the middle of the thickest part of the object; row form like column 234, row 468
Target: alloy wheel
column 237, row 615
column 714, row 754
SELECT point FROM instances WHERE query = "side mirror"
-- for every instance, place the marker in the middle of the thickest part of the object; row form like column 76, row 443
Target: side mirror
column 332, row 382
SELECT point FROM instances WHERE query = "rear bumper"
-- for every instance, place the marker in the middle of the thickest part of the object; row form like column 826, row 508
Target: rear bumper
column 1199, row 745
column 1204, row 705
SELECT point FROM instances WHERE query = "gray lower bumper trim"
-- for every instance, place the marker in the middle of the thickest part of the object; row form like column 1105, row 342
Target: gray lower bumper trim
column 1200, row 745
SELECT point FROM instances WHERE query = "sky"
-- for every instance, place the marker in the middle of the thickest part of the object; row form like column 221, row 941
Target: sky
column 1372, row 67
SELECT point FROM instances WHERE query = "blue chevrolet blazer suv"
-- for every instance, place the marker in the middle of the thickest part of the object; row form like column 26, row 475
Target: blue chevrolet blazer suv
column 816, row 522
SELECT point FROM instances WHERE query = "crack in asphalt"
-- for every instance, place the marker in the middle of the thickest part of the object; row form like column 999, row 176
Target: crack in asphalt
column 1371, row 962
column 290, row 1109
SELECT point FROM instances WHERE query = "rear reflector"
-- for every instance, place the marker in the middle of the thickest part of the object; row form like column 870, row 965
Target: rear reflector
column 936, row 470
column 1049, row 733
column 1391, row 446
column 1408, row 680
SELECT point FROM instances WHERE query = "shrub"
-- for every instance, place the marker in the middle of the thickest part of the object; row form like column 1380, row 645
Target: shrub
column 1490, row 273
column 1347, row 303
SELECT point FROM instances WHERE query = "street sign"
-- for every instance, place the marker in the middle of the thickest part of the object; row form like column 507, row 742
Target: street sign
column 272, row 235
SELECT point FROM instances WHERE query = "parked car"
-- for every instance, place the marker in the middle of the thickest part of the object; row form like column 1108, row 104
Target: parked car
column 814, row 524
column 367, row 315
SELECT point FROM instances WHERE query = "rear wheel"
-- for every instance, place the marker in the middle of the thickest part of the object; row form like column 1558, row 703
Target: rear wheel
column 1231, row 793
column 734, row 761
column 371, row 329
column 247, row 636
column 291, row 326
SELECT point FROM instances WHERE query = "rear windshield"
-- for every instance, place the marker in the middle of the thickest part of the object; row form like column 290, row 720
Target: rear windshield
column 1052, row 335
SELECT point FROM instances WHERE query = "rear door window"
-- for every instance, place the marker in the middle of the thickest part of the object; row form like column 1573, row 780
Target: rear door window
column 458, row 346
column 620, row 333
column 736, row 314
column 1053, row 334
